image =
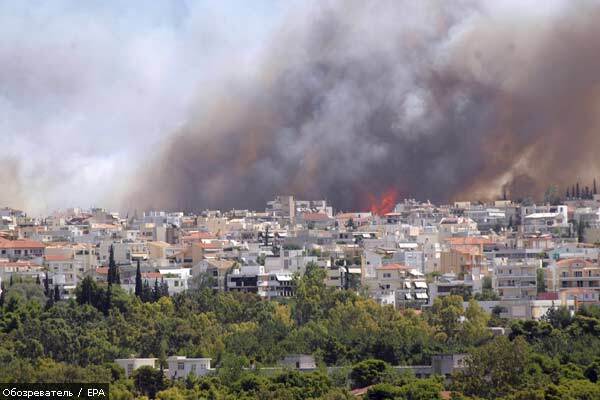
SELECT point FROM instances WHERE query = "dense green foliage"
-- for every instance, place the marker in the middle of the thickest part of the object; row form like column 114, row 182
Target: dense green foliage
column 77, row 341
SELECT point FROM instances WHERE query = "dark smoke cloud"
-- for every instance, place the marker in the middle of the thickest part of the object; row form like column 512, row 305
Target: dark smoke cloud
column 435, row 99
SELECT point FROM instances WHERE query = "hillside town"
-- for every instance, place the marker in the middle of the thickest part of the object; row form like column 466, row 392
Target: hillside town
column 517, row 259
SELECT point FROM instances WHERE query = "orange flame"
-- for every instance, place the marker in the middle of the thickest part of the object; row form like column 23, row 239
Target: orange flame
column 384, row 204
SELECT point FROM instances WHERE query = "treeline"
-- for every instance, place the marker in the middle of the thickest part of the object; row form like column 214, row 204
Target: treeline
column 78, row 340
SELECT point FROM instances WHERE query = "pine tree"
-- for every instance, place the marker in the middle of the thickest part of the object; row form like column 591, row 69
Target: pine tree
column 138, row 281
column 56, row 293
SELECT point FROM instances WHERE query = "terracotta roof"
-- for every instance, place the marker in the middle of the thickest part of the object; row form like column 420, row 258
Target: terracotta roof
column 57, row 257
column 315, row 217
column 20, row 244
column 102, row 270
column 469, row 240
column 547, row 296
column 569, row 261
column 151, row 275
column 392, row 267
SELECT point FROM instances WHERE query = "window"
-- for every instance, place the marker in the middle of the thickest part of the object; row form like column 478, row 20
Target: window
column 387, row 275
column 578, row 274
column 180, row 365
column 176, row 283
column 193, row 368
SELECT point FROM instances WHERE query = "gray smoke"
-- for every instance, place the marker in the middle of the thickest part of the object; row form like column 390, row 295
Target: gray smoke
column 435, row 99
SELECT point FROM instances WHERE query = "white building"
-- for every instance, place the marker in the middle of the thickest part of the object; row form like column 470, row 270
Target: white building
column 131, row 364
column 180, row 367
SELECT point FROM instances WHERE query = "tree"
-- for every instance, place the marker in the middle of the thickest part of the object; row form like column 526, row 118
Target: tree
column 445, row 314
column 146, row 292
column 310, row 294
column 37, row 280
column 148, row 381
column 577, row 192
column 594, row 188
column 541, row 281
column 156, row 291
column 113, row 269
column 164, row 288
column 495, row 369
column 551, row 196
column 56, row 293
column 46, row 285
column 368, row 372
column 2, row 295
column 138, row 280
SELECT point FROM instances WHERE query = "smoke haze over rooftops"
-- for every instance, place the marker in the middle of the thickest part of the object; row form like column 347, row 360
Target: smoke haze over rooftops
column 436, row 99
column 346, row 100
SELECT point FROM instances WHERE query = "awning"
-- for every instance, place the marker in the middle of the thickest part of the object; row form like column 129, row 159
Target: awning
column 422, row 296
column 407, row 296
column 407, row 284
column 420, row 285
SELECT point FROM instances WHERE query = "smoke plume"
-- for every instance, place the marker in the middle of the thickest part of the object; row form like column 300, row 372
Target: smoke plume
column 434, row 99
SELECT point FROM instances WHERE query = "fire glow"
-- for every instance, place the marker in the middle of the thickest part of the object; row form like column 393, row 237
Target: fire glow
column 383, row 204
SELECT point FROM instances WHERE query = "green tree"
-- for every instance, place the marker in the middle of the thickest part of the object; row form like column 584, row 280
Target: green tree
column 368, row 372
column 310, row 294
column 138, row 280
column 494, row 369
column 148, row 381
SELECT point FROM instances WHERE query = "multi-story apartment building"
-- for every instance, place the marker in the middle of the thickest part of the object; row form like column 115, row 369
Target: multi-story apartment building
column 515, row 279
column 572, row 273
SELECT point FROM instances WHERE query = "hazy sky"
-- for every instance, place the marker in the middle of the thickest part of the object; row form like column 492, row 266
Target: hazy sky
column 88, row 87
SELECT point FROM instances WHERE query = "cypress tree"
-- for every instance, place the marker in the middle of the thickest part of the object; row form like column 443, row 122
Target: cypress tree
column 46, row 285
column 56, row 293
column 146, row 292
column 164, row 288
column 138, row 280
column 37, row 280
column 49, row 303
column 577, row 192
column 594, row 189
column 587, row 192
column 568, row 194
column 113, row 269
column 156, row 291
column 2, row 294
column 108, row 300
column 110, row 278
column 10, row 281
